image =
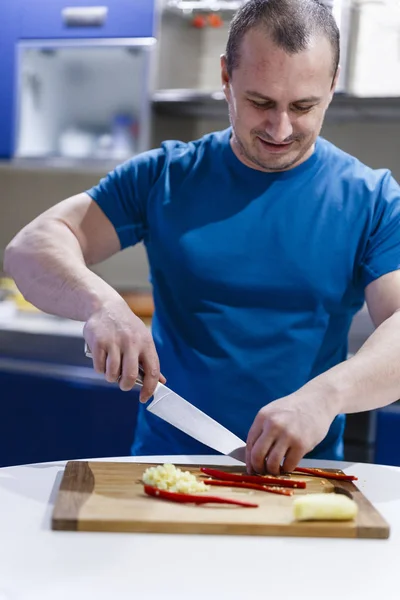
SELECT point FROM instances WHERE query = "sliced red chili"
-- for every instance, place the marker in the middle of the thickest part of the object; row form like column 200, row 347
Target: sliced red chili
column 326, row 474
column 193, row 498
column 260, row 479
column 251, row 486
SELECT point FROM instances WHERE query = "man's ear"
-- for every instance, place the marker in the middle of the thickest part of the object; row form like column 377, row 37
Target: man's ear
column 225, row 79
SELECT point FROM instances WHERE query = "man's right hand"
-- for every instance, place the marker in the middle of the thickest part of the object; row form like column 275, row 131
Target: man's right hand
column 119, row 341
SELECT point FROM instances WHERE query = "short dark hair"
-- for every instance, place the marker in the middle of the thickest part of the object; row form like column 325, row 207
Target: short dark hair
column 291, row 24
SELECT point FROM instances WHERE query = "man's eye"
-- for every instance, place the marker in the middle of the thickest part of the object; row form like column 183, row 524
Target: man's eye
column 303, row 108
column 259, row 104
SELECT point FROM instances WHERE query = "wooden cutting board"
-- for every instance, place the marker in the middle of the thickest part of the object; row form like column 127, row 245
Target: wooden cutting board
column 109, row 496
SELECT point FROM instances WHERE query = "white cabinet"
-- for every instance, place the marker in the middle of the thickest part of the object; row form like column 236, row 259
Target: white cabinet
column 83, row 98
column 374, row 67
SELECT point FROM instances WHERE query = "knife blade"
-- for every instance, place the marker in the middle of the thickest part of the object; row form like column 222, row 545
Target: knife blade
column 179, row 413
column 341, row 490
column 186, row 417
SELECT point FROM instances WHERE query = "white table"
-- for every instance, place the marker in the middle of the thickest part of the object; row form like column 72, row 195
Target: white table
column 39, row 564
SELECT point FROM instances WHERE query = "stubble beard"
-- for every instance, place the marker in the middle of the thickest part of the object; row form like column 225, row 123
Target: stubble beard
column 260, row 165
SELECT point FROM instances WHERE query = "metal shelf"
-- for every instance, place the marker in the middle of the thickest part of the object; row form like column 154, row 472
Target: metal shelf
column 345, row 108
column 190, row 103
column 189, row 7
column 95, row 166
column 202, row 104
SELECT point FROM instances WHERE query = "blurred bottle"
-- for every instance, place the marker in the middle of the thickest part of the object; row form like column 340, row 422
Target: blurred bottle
column 124, row 136
column 75, row 142
column 199, row 21
column 214, row 20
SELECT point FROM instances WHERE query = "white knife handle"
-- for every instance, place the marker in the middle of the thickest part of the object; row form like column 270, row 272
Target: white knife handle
column 138, row 380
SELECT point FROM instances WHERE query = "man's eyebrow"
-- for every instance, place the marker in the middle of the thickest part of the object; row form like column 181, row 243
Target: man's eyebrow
column 310, row 99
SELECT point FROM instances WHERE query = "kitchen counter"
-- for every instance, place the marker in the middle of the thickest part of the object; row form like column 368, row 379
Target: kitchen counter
column 35, row 336
column 39, row 564
column 18, row 329
column 39, row 323
column 32, row 335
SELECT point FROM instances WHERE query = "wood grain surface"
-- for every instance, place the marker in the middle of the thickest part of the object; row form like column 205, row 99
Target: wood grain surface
column 109, row 496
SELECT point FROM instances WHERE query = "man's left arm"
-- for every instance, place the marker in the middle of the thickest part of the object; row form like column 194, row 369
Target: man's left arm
column 371, row 378
column 290, row 427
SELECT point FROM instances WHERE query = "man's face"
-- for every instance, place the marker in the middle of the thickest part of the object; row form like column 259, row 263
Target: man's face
column 277, row 101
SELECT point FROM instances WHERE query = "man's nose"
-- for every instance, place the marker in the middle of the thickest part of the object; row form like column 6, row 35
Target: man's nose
column 278, row 126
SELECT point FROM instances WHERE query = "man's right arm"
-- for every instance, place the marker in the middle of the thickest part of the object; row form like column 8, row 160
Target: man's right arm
column 49, row 260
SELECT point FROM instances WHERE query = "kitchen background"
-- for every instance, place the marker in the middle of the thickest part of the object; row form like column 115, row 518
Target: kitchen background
column 84, row 87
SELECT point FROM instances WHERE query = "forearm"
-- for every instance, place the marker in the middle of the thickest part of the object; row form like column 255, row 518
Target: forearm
column 48, row 267
column 368, row 380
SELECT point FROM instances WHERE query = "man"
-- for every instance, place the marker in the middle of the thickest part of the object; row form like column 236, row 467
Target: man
column 263, row 241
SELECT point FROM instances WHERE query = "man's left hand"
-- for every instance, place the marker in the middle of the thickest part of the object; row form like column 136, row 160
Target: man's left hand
column 285, row 430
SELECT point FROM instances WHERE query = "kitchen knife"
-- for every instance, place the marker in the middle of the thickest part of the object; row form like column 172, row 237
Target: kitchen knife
column 177, row 411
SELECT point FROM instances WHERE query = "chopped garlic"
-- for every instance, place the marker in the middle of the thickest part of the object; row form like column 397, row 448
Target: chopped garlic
column 169, row 477
column 324, row 507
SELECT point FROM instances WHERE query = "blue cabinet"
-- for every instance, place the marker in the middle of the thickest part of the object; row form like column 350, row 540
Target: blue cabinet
column 86, row 19
column 387, row 445
column 8, row 37
column 52, row 418
column 31, row 20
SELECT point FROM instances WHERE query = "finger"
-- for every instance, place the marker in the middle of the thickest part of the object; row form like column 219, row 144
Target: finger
column 151, row 368
column 261, row 450
column 276, row 456
column 129, row 370
column 113, row 364
column 254, row 433
column 249, row 468
column 162, row 378
column 292, row 459
column 99, row 360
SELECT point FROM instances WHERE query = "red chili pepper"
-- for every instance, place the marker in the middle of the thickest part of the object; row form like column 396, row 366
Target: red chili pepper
column 251, row 486
column 326, row 474
column 260, row 479
column 193, row 498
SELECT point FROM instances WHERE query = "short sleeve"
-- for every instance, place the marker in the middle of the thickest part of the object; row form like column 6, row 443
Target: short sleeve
column 382, row 253
column 122, row 195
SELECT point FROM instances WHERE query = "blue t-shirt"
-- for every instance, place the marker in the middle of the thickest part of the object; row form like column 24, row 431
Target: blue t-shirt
column 256, row 276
